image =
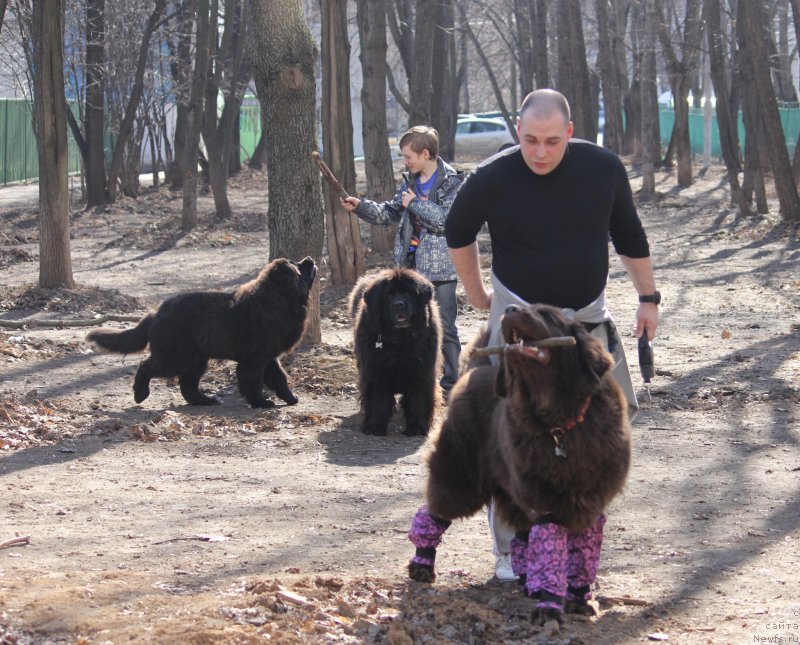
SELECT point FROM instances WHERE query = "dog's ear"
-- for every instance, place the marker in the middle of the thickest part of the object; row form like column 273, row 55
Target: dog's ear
column 373, row 301
column 414, row 283
column 424, row 291
column 500, row 388
column 593, row 356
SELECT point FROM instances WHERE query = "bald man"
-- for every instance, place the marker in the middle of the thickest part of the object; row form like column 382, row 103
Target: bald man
column 551, row 203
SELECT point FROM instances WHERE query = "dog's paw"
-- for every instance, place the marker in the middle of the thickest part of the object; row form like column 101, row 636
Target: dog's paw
column 582, row 607
column 542, row 614
column 421, row 572
column 290, row 399
column 262, row 403
column 415, row 430
column 202, row 399
column 377, row 429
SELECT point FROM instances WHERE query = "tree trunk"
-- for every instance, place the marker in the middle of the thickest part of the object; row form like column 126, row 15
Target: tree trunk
column 126, row 126
column 181, row 72
column 573, row 71
column 217, row 169
column 371, row 18
column 94, row 111
column 707, row 112
column 463, row 71
column 232, row 144
column 753, row 182
column 796, row 20
column 218, row 134
column 751, row 15
column 648, row 76
column 609, row 77
column 784, row 54
column 617, row 21
column 400, row 16
column 194, row 116
column 633, row 98
column 541, row 66
column 256, row 161
column 524, row 38
column 444, row 103
column 237, row 79
column 3, row 5
column 282, row 53
column 176, row 171
column 345, row 252
column 725, row 121
column 421, row 82
column 55, row 263
column 681, row 73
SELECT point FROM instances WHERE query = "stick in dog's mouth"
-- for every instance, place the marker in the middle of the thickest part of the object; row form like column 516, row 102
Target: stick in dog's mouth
column 554, row 341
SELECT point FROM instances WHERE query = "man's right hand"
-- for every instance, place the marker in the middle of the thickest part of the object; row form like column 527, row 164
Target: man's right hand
column 465, row 261
column 482, row 300
column 350, row 203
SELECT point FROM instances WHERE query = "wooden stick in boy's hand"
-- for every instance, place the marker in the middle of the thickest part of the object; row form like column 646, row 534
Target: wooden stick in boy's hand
column 326, row 172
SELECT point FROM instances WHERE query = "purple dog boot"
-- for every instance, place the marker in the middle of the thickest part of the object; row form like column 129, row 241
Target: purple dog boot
column 583, row 559
column 425, row 534
column 546, row 571
column 519, row 549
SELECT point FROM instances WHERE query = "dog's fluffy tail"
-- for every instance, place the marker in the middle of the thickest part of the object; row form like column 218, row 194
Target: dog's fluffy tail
column 123, row 342
column 357, row 295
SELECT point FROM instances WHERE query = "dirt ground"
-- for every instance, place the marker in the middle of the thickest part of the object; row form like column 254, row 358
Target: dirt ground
column 167, row 523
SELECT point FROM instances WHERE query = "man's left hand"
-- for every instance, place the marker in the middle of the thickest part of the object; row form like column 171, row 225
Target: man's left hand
column 647, row 319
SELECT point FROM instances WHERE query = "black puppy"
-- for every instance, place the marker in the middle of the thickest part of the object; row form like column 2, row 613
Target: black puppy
column 398, row 338
column 252, row 325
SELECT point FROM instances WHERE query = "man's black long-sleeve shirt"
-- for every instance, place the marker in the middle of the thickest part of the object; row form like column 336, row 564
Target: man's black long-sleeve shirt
column 550, row 232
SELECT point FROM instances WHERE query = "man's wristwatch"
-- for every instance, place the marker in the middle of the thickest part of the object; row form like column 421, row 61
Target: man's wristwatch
column 654, row 297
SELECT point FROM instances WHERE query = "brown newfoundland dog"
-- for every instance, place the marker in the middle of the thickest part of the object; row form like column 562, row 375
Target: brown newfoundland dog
column 398, row 337
column 544, row 434
column 252, row 325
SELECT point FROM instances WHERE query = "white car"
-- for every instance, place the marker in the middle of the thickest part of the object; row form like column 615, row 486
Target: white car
column 482, row 136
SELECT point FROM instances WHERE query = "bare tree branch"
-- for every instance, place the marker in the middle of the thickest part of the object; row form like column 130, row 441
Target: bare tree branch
column 396, row 92
column 498, row 93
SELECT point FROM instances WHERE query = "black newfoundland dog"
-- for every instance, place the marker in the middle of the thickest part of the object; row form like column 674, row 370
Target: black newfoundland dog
column 252, row 325
column 398, row 337
column 544, row 434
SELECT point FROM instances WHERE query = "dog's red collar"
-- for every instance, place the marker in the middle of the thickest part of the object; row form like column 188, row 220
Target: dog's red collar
column 558, row 431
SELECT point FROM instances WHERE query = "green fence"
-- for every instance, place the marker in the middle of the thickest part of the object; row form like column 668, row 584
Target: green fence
column 18, row 157
column 249, row 130
column 790, row 119
column 19, row 160
column 18, row 145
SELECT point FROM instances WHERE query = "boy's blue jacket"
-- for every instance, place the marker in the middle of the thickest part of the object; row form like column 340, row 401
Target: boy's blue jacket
column 432, row 257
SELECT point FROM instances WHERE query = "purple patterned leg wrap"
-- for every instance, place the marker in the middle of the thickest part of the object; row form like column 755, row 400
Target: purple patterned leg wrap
column 547, row 565
column 583, row 559
column 426, row 534
column 519, row 548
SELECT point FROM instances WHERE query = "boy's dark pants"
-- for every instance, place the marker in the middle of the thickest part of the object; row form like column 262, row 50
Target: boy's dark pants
column 451, row 345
